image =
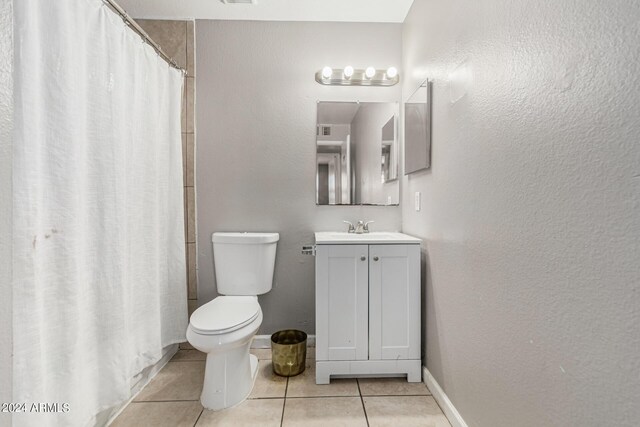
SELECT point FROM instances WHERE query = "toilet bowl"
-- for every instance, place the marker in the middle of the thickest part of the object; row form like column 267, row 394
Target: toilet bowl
column 224, row 327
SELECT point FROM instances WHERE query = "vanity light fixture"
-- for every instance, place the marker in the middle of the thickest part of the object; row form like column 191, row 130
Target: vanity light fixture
column 239, row 1
column 358, row 77
column 370, row 72
column 348, row 71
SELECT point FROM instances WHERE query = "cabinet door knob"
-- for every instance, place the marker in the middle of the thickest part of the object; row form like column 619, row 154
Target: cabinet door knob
column 363, row 258
column 375, row 258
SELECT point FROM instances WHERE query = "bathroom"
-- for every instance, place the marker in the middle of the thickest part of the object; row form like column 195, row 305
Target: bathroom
column 524, row 308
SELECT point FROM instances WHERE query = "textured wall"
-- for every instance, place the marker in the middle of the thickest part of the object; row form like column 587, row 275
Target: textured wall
column 256, row 117
column 6, row 204
column 531, row 208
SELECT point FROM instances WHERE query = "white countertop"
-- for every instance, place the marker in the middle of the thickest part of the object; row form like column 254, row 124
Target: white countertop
column 375, row 237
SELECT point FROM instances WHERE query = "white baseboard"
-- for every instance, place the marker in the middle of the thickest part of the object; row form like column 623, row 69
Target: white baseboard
column 439, row 395
column 264, row 341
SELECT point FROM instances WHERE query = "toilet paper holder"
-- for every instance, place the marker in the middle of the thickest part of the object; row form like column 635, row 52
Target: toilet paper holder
column 309, row 250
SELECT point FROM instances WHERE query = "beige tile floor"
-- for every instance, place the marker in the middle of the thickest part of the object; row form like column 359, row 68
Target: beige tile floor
column 172, row 399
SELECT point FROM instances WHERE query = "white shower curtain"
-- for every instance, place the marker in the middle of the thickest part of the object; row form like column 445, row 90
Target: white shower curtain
column 98, row 236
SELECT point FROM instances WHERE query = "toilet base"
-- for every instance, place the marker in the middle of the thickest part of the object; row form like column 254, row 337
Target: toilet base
column 229, row 377
column 254, row 367
column 230, row 370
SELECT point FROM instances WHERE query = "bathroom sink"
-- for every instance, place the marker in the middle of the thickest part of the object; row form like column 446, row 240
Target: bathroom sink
column 341, row 238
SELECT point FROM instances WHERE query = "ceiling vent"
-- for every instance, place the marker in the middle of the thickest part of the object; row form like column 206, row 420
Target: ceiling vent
column 239, row 1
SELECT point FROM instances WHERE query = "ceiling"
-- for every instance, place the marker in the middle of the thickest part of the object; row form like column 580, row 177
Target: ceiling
column 272, row 10
column 337, row 113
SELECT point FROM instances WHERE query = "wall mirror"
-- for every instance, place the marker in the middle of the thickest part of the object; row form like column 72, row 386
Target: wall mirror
column 417, row 129
column 357, row 153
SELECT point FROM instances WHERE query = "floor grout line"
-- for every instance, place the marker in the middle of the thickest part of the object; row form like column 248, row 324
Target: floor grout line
column 442, row 412
column 314, row 397
column 198, row 419
column 323, row 397
column 362, row 400
column 266, row 398
column 395, row 395
column 284, row 402
column 164, row 401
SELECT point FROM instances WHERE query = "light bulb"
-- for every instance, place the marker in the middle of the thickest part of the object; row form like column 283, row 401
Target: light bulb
column 348, row 71
column 327, row 72
column 370, row 72
column 392, row 72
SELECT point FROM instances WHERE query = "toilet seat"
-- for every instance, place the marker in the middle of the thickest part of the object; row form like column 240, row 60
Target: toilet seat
column 225, row 314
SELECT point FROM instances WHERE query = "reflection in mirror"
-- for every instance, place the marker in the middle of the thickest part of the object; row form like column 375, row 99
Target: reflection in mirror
column 417, row 129
column 389, row 151
column 350, row 137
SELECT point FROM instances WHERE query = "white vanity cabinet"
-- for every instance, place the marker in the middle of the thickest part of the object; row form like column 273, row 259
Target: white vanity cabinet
column 367, row 305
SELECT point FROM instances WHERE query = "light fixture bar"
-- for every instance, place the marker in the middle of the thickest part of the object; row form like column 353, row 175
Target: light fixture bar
column 358, row 78
column 239, row 1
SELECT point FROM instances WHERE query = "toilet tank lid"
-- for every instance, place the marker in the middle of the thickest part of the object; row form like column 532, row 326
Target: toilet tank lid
column 245, row 238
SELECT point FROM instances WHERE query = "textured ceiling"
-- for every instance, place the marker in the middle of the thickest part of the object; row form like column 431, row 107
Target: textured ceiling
column 272, row 10
column 337, row 113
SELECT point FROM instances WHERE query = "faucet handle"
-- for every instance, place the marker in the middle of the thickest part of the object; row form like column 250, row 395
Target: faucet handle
column 366, row 226
column 351, row 227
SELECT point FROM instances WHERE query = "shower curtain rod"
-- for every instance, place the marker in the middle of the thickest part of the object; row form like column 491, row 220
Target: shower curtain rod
column 145, row 37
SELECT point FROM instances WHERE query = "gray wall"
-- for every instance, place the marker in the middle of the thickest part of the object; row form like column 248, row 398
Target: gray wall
column 256, row 115
column 531, row 210
column 6, row 205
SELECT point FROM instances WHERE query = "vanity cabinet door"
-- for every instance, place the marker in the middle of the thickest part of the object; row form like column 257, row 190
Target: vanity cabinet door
column 342, row 302
column 394, row 302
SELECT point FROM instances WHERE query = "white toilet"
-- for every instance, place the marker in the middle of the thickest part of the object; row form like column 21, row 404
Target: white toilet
column 223, row 328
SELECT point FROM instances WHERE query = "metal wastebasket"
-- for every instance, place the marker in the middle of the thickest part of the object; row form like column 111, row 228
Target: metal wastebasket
column 288, row 352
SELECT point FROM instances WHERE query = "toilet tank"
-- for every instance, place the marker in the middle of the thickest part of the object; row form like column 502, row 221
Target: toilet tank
column 244, row 262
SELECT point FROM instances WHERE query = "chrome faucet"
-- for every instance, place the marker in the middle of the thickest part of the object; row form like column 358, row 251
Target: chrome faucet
column 351, row 229
column 360, row 228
